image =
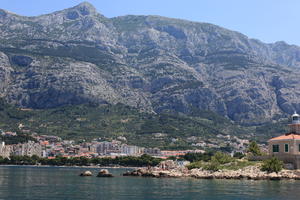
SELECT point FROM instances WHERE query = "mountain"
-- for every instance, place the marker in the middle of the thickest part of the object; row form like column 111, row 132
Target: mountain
column 151, row 63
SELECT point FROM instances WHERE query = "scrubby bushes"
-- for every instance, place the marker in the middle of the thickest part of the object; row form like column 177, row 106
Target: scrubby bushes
column 198, row 164
column 212, row 166
column 272, row 165
column 254, row 149
column 194, row 157
column 215, row 162
column 130, row 161
column 221, row 158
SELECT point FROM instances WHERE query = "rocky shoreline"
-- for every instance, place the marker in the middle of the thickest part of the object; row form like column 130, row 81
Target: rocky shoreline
column 250, row 173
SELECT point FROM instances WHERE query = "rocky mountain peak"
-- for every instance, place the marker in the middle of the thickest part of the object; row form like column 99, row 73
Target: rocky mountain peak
column 5, row 14
column 85, row 8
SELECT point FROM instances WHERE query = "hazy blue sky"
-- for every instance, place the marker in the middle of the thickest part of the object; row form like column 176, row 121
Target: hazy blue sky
column 267, row 20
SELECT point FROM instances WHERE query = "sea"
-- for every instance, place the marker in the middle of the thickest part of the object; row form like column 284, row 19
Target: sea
column 43, row 183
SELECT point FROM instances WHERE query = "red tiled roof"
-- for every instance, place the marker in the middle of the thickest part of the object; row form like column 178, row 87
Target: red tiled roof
column 287, row 137
column 45, row 143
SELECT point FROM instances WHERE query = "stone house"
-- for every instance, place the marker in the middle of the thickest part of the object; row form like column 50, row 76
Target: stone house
column 287, row 147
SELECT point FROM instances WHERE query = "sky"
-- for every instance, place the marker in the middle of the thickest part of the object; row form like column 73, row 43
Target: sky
column 266, row 20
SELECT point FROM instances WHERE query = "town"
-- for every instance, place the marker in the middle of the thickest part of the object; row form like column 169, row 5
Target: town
column 50, row 146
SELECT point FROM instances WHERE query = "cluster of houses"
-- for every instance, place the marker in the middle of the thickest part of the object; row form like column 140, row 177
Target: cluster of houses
column 49, row 146
column 285, row 147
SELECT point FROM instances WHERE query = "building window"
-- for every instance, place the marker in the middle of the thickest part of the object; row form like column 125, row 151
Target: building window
column 295, row 118
column 275, row 148
column 286, row 147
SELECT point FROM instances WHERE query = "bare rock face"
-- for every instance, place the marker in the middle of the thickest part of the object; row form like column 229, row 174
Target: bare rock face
column 153, row 63
column 5, row 74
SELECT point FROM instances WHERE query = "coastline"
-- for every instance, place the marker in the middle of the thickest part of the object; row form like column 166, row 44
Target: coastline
column 247, row 173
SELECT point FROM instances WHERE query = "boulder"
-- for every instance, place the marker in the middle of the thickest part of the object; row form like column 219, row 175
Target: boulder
column 86, row 173
column 130, row 173
column 137, row 172
column 167, row 165
column 104, row 173
column 274, row 176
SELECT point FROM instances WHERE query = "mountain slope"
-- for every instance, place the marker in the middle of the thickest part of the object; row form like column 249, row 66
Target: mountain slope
column 152, row 63
column 91, row 121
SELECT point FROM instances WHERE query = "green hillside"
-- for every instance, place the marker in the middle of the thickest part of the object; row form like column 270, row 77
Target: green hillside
column 110, row 121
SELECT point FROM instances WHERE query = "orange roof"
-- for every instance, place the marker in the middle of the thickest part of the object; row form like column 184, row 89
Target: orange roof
column 287, row 137
column 45, row 143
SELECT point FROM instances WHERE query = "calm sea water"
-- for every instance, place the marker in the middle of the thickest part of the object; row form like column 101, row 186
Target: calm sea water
column 64, row 183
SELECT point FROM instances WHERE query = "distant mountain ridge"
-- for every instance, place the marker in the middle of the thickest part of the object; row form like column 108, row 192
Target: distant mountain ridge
column 152, row 63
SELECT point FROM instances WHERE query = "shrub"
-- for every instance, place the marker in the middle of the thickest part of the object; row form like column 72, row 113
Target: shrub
column 238, row 165
column 221, row 158
column 215, row 162
column 194, row 165
column 193, row 157
column 272, row 165
column 254, row 149
column 212, row 166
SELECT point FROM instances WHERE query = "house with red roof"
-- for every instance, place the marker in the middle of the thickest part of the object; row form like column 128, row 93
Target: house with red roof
column 287, row 147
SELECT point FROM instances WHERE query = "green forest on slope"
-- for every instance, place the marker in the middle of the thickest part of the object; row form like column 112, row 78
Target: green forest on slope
column 90, row 121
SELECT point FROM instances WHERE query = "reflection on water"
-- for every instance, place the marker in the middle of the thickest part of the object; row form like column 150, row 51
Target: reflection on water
column 64, row 183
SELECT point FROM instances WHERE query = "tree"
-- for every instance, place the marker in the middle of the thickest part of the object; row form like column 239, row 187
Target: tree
column 2, row 160
column 194, row 157
column 254, row 149
column 272, row 165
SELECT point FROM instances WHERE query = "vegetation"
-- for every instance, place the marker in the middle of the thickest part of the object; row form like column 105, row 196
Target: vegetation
column 107, row 121
column 221, row 158
column 238, row 155
column 90, row 121
column 254, row 149
column 272, row 165
column 266, row 131
column 217, row 161
column 193, row 165
column 128, row 161
column 212, row 166
column 194, row 157
column 238, row 164
column 19, row 138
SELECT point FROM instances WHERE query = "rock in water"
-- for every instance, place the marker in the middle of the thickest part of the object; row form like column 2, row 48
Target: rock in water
column 86, row 173
column 104, row 173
